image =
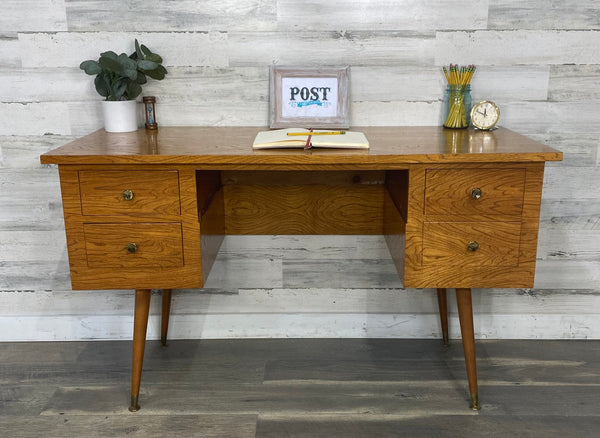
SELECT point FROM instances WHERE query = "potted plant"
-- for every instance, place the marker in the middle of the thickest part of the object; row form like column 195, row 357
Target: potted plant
column 119, row 78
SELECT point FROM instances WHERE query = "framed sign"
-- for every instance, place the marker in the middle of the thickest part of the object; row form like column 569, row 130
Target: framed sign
column 309, row 97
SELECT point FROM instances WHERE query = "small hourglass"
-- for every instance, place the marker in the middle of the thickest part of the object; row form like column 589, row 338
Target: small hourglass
column 150, row 112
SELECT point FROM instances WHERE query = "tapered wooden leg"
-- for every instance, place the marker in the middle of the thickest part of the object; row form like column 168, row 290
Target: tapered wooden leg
column 465, row 314
column 166, row 312
column 140, row 324
column 443, row 307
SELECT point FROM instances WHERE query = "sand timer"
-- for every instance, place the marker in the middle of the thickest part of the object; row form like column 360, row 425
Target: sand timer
column 150, row 112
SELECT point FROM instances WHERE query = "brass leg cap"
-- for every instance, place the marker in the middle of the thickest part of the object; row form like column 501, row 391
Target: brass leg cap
column 163, row 341
column 134, row 407
column 446, row 340
column 475, row 402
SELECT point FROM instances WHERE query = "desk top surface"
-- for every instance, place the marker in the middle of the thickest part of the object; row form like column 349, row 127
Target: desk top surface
column 233, row 146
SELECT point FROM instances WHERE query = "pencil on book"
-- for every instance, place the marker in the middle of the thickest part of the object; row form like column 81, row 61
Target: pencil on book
column 317, row 133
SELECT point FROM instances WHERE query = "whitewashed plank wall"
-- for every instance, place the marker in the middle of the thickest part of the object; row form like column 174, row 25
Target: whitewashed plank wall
column 540, row 63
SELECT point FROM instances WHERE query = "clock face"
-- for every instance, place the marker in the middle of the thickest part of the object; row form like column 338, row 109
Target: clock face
column 485, row 115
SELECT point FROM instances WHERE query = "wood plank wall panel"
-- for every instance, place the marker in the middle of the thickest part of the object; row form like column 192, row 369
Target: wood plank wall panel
column 33, row 15
column 186, row 16
column 367, row 15
column 539, row 63
column 34, row 118
column 510, row 47
column 311, row 48
column 68, row 49
column 9, row 53
column 538, row 14
column 574, row 83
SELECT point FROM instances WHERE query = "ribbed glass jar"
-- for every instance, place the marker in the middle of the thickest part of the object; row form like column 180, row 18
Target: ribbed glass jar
column 457, row 106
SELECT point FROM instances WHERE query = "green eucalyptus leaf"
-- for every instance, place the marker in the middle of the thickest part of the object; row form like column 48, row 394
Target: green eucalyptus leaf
column 109, row 64
column 90, row 67
column 126, row 62
column 146, row 50
column 154, row 58
column 131, row 73
column 133, row 90
column 155, row 74
column 109, row 54
column 138, row 51
column 141, row 78
column 128, row 67
column 119, row 90
column 106, row 76
column 101, row 86
column 123, row 59
column 158, row 74
column 147, row 65
column 131, row 63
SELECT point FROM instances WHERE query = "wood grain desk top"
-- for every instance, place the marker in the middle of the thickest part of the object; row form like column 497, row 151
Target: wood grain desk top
column 232, row 146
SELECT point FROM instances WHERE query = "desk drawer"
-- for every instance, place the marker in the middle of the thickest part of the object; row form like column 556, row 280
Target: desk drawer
column 469, row 244
column 474, row 191
column 118, row 192
column 129, row 245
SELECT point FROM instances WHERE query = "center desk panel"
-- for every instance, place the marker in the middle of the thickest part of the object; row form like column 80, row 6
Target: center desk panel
column 303, row 202
column 162, row 226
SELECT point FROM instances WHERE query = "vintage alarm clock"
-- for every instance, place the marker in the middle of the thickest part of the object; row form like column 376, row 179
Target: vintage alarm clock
column 485, row 115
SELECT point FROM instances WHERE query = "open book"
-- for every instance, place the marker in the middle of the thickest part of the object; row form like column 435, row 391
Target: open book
column 320, row 138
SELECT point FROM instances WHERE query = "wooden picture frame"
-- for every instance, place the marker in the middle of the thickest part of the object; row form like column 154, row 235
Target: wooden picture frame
column 309, row 97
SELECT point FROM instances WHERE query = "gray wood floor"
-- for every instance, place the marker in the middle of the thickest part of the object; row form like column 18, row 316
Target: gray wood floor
column 300, row 388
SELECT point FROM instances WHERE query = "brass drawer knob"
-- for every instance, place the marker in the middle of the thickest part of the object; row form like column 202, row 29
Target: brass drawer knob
column 132, row 248
column 473, row 246
column 127, row 195
column 476, row 193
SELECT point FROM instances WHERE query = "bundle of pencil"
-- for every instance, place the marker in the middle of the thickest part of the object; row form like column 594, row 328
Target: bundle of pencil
column 458, row 79
column 456, row 75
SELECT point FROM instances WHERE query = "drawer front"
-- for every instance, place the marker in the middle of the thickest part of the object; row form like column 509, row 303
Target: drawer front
column 474, row 191
column 133, row 245
column 471, row 244
column 136, row 192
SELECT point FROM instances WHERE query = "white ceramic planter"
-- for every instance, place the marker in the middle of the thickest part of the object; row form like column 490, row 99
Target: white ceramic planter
column 120, row 116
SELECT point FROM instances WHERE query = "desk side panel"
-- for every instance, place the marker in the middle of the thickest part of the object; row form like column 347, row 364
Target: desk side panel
column 394, row 230
column 212, row 227
column 414, row 223
column 71, row 199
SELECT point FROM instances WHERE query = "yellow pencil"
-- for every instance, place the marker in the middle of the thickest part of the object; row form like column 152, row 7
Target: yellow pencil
column 318, row 133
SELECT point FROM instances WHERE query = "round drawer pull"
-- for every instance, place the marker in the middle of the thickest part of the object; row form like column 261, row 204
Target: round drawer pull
column 473, row 246
column 476, row 193
column 127, row 195
column 132, row 248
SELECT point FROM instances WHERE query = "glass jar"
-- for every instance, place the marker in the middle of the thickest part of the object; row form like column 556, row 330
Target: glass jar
column 457, row 106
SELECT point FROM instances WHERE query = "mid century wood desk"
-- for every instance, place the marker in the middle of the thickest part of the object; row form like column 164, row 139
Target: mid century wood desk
column 149, row 209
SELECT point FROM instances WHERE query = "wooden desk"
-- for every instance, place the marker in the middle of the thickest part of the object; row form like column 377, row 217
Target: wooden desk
column 149, row 209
